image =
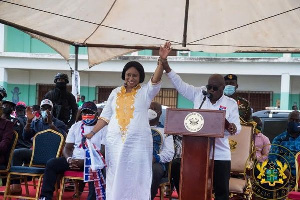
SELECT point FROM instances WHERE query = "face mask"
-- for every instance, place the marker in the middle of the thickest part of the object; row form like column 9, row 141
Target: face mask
column 151, row 114
column 44, row 114
column 61, row 85
column 294, row 127
column 229, row 90
column 89, row 120
column 7, row 111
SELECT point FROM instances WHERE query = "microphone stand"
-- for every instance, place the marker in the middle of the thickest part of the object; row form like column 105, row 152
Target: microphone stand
column 204, row 98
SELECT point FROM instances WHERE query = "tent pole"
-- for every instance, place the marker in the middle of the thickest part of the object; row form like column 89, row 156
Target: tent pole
column 76, row 81
column 76, row 58
column 186, row 17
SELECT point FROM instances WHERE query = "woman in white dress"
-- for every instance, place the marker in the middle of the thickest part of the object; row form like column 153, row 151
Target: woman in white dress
column 128, row 145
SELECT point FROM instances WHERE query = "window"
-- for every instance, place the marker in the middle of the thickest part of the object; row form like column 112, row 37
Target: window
column 103, row 93
column 167, row 97
column 258, row 100
column 183, row 53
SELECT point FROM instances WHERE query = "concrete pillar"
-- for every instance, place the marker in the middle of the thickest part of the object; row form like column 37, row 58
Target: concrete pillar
column 1, row 37
column 285, row 92
column 3, row 77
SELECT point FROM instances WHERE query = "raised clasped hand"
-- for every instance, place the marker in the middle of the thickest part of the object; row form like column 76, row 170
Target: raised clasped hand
column 165, row 50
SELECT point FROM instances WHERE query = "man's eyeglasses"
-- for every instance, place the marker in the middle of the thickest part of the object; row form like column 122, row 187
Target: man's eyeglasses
column 209, row 87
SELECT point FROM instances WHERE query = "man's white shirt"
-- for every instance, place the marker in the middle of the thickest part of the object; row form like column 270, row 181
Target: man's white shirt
column 194, row 94
column 74, row 136
column 167, row 151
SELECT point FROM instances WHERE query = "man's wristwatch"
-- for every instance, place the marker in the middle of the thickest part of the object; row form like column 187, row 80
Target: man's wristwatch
column 68, row 159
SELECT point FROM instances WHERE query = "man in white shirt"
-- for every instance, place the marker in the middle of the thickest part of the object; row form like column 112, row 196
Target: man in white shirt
column 213, row 99
column 73, row 153
column 163, row 147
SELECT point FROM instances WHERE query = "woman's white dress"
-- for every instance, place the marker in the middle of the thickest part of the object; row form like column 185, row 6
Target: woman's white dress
column 128, row 143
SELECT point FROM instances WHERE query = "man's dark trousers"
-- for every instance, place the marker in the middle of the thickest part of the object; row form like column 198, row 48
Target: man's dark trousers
column 157, row 174
column 54, row 167
column 221, row 179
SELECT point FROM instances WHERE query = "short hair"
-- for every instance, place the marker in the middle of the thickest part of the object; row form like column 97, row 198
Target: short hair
column 293, row 114
column 138, row 66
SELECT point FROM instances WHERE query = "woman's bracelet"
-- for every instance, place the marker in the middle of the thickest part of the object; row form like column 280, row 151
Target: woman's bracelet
column 93, row 132
column 162, row 59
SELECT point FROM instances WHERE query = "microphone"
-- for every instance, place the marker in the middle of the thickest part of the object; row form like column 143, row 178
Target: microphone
column 205, row 93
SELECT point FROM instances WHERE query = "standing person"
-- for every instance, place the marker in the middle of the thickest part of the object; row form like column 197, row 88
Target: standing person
column 231, row 86
column 163, row 147
column 295, row 107
column 128, row 143
column 82, row 100
column 64, row 102
column 216, row 101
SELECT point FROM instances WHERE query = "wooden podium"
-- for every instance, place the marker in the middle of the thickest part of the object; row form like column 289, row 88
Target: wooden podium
column 199, row 128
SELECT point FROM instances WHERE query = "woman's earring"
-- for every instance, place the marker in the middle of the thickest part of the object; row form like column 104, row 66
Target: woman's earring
column 125, row 84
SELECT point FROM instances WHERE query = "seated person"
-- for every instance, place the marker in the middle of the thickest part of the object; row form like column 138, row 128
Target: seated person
column 163, row 147
column 176, row 162
column 73, row 153
column 47, row 121
column 20, row 111
column 262, row 142
column 288, row 139
column 37, row 112
column 8, row 108
column 6, row 134
column 6, row 137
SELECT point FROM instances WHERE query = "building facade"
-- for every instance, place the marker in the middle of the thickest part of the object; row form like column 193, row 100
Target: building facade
column 28, row 66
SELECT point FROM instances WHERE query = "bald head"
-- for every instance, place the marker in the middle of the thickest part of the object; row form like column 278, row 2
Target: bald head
column 156, row 106
column 215, row 87
column 218, row 79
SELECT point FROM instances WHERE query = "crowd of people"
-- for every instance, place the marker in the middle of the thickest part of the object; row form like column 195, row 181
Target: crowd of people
column 128, row 131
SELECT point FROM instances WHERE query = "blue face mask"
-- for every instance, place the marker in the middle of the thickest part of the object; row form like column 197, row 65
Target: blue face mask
column 44, row 114
column 229, row 90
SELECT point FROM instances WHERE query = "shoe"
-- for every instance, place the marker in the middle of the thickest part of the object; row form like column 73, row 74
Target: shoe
column 15, row 190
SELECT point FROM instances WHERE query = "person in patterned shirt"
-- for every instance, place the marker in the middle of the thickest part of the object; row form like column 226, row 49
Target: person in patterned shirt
column 290, row 140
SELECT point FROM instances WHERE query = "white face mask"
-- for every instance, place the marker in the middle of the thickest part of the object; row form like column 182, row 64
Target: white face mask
column 151, row 114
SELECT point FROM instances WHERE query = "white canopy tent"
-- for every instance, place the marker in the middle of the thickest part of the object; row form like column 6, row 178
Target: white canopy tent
column 110, row 28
